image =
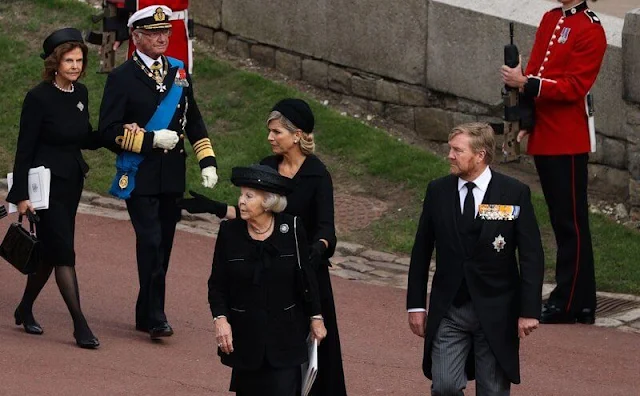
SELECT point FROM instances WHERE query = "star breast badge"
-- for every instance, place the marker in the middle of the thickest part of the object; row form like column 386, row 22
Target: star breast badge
column 499, row 243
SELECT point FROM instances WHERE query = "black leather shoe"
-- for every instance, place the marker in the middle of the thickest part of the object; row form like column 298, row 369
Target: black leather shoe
column 87, row 342
column 163, row 330
column 552, row 314
column 30, row 326
column 586, row 316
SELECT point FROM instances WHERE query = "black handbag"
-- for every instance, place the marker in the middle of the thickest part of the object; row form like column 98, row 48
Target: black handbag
column 21, row 248
column 303, row 285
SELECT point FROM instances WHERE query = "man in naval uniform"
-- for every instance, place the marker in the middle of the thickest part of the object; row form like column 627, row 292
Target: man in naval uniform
column 153, row 96
column 565, row 60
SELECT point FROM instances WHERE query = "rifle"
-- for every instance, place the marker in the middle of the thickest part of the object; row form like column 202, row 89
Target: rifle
column 510, row 98
column 111, row 30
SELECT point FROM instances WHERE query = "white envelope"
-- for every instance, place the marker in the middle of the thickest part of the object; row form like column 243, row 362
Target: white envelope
column 310, row 368
column 39, row 188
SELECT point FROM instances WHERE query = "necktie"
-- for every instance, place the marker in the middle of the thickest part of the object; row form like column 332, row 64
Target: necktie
column 469, row 207
column 156, row 68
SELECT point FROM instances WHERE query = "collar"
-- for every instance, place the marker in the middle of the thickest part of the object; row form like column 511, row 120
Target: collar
column 481, row 182
column 575, row 9
column 148, row 61
column 312, row 166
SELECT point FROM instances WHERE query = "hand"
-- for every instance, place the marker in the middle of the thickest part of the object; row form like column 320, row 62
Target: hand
column 209, row 177
column 418, row 323
column 25, row 205
column 315, row 253
column 526, row 326
column 318, row 331
column 223, row 335
column 165, row 139
column 521, row 135
column 116, row 45
column 201, row 204
column 512, row 76
column 133, row 127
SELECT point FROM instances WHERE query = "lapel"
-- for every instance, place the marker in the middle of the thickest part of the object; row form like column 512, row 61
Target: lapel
column 146, row 80
column 454, row 211
column 169, row 79
column 494, row 195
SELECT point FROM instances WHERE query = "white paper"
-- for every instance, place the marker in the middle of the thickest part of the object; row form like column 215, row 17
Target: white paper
column 39, row 188
column 310, row 368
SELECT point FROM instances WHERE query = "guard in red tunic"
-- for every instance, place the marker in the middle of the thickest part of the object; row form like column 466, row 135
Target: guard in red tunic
column 565, row 60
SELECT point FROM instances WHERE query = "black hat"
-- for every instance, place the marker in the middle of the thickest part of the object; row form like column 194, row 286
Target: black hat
column 263, row 178
column 60, row 37
column 298, row 112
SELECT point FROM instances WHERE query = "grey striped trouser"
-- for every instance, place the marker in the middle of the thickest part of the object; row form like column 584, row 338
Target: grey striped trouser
column 458, row 331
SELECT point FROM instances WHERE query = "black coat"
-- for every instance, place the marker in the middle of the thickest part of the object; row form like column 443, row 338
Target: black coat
column 54, row 127
column 131, row 96
column 503, row 286
column 255, row 284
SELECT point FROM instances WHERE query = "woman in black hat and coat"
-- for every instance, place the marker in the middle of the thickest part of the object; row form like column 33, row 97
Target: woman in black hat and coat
column 290, row 126
column 54, row 126
column 256, row 290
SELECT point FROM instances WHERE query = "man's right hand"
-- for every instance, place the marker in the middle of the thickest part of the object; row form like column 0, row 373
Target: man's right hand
column 521, row 135
column 25, row 205
column 165, row 139
column 418, row 323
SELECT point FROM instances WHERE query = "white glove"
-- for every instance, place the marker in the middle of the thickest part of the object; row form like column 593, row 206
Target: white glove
column 209, row 176
column 165, row 139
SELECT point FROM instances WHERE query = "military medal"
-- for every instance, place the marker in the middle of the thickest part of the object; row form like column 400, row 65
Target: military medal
column 499, row 243
column 498, row 212
column 181, row 79
column 123, row 182
column 564, row 35
column 161, row 87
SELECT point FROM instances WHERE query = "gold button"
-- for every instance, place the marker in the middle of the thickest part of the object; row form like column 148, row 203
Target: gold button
column 166, row 151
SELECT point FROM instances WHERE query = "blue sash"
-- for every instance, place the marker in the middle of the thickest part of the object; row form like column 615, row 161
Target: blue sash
column 127, row 162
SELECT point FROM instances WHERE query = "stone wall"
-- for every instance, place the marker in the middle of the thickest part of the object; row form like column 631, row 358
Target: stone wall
column 429, row 64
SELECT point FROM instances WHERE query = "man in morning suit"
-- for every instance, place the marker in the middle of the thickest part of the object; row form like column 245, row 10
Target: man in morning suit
column 484, row 297
column 565, row 60
column 155, row 93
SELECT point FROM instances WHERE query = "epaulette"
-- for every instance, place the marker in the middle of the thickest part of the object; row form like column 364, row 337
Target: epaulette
column 592, row 16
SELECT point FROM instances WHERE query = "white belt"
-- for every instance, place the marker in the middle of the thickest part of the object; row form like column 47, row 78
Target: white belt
column 178, row 15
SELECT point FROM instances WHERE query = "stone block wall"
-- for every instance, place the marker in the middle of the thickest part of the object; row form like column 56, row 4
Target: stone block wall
column 429, row 64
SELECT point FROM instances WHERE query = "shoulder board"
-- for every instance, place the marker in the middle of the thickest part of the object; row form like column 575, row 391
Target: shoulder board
column 592, row 16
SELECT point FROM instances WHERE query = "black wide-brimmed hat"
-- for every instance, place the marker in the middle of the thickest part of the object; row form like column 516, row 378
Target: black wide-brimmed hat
column 298, row 112
column 261, row 177
column 60, row 37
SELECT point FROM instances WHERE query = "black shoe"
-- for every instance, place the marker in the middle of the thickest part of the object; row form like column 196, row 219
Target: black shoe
column 552, row 314
column 85, row 338
column 30, row 325
column 163, row 330
column 586, row 316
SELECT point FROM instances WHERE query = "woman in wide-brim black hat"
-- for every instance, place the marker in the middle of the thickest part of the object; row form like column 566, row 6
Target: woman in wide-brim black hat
column 54, row 127
column 291, row 137
column 256, row 289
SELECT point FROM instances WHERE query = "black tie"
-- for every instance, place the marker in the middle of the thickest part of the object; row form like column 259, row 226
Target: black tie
column 469, row 207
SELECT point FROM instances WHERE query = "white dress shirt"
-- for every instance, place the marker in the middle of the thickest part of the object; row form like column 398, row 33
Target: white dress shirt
column 482, row 183
column 147, row 60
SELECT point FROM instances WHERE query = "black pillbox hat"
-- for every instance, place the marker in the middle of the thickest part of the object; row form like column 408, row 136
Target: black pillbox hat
column 298, row 112
column 60, row 37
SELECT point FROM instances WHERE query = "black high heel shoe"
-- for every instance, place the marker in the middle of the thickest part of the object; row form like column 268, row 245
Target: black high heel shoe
column 30, row 328
column 87, row 341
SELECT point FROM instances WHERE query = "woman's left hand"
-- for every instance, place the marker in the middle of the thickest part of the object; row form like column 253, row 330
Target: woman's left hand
column 318, row 331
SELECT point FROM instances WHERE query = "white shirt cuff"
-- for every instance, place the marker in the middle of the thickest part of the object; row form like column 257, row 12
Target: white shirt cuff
column 416, row 310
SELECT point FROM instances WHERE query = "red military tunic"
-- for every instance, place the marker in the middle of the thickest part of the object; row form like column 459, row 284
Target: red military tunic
column 565, row 61
column 179, row 43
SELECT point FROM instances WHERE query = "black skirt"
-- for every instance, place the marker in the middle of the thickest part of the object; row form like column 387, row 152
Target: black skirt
column 266, row 381
column 56, row 229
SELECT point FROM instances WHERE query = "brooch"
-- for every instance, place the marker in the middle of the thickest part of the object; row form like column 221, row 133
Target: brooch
column 499, row 243
column 284, row 228
column 80, row 106
column 498, row 212
column 181, row 79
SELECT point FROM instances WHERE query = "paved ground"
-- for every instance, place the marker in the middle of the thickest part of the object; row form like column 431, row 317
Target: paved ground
column 381, row 356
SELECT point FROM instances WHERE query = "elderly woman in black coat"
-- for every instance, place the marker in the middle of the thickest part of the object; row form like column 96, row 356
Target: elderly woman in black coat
column 290, row 126
column 259, row 275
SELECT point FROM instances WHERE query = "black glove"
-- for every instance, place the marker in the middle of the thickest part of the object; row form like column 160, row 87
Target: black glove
column 201, row 204
column 315, row 253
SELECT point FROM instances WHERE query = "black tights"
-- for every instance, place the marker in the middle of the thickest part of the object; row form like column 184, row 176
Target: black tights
column 68, row 285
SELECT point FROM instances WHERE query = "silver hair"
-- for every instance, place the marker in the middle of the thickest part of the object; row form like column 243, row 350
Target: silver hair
column 275, row 203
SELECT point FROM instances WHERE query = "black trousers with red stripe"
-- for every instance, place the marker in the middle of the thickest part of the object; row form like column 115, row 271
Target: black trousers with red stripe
column 564, row 184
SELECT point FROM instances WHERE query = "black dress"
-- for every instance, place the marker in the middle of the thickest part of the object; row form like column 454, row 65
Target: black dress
column 312, row 200
column 54, row 127
column 255, row 285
